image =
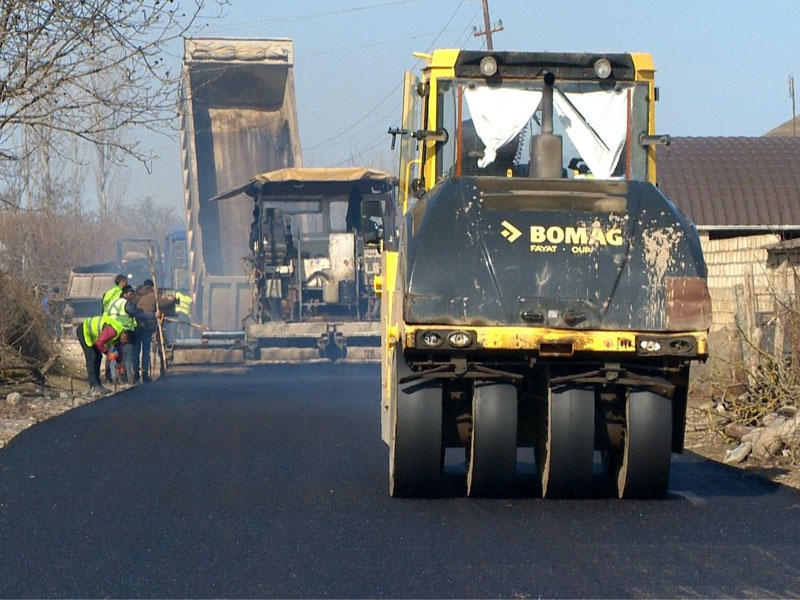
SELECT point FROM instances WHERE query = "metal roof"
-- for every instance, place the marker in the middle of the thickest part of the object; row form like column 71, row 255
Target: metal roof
column 733, row 182
column 297, row 181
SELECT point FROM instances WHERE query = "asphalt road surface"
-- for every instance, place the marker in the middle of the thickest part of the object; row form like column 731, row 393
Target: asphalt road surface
column 272, row 483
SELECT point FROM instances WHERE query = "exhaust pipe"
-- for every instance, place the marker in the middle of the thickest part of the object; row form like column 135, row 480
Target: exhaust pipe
column 546, row 148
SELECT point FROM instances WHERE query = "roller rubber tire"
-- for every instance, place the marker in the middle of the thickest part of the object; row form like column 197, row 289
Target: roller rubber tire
column 568, row 449
column 644, row 472
column 415, row 452
column 493, row 453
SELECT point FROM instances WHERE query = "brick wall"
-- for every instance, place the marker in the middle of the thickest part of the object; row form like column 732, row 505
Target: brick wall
column 728, row 262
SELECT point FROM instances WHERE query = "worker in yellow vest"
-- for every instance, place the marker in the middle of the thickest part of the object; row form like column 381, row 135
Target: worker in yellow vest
column 183, row 310
column 125, row 311
column 121, row 310
column 98, row 336
column 120, row 281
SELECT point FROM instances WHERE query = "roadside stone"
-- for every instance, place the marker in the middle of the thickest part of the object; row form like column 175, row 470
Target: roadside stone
column 753, row 435
column 13, row 398
column 787, row 430
column 768, row 445
column 772, row 420
column 738, row 454
column 737, row 430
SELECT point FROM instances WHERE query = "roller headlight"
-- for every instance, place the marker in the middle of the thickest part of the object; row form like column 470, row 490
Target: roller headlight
column 649, row 346
column 488, row 66
column 432, row 339
column 444, row 339
column 653, row 345
column 459, row 339
column 602, row 68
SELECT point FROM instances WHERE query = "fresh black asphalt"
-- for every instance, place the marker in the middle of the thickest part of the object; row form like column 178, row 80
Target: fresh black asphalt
column 272, row 483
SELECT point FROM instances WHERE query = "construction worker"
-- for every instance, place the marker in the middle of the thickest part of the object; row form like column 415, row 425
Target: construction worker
column 145, row 299
column 97, row 335
column 120, row 281
column 183, row 310
column 125, row 311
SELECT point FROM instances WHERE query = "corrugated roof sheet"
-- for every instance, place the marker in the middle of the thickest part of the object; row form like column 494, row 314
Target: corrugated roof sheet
column 733, row 181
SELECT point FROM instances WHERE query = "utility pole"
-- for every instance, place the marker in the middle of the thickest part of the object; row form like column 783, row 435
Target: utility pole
column 791, row 95
column 488, row 29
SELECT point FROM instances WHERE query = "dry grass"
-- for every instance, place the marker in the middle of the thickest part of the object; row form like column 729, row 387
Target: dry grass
column 745, row 387
column 24, row 345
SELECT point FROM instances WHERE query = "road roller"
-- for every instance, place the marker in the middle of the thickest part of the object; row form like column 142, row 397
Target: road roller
column 540, row 296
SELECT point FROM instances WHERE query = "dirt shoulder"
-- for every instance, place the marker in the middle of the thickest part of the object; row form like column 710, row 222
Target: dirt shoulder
column 66, row 388
column 703, row 437
column 25, row 403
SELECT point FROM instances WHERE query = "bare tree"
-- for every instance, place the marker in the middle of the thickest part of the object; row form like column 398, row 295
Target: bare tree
column 89, row 69
column 153, row 219
column 41, row 248
column 38, row 179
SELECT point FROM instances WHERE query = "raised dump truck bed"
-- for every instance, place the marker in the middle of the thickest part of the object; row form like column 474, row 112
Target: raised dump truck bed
column 238, row 117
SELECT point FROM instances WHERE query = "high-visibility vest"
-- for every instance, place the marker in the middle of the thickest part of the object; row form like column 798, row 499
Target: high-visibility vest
column 116, row 310
column 111, row 295
column 184, row 304
column 94, row 325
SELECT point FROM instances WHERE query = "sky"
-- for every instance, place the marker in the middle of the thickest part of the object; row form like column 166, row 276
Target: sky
column 723, row 66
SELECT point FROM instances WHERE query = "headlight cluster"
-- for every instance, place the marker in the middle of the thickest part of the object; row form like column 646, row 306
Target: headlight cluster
column 650, row 346
column 665, row 346
column 445, row 339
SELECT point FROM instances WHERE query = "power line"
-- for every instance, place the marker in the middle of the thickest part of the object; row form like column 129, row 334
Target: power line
column 347, row 131
column 370, row 120
column 372, row 45
column 438, row 35
column 306, row 16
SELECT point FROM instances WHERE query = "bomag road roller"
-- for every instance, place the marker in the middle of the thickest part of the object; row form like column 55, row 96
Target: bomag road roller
column 540, row 296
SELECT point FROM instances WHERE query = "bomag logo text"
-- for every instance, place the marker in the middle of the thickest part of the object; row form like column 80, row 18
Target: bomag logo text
column 580, row 239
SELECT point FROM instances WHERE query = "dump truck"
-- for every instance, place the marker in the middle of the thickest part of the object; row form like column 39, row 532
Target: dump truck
column 314, row 254
column 540, row 296
column 237, row 117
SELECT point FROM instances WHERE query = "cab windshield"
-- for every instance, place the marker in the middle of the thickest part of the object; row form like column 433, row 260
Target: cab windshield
column 490, row 127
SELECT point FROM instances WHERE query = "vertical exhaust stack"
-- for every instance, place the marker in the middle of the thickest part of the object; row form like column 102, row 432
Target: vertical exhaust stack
column 546, row 148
